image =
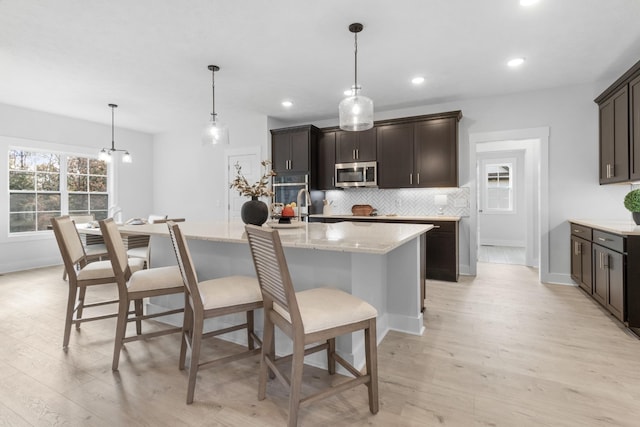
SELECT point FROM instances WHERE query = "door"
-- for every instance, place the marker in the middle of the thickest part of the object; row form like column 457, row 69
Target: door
column 601, row 275
column 614, row 138
column 249, row 161
column 326, row 161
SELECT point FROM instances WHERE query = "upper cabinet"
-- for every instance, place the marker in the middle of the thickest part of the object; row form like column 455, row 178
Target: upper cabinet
column 619, row 117
column 292, row 149
column 356, row 146
column 326, row 160
column 419, row 152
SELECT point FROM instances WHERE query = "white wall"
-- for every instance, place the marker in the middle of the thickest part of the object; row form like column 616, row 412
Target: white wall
column 189, row 178
column 574, row 192
column 34, row 129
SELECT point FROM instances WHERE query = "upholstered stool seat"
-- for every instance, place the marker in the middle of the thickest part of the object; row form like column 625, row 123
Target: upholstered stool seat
column 325, row 308
column 226, row 291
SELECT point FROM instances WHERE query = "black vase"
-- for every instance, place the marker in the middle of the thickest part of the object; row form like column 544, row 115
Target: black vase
column 254, row 212
column 636, row 217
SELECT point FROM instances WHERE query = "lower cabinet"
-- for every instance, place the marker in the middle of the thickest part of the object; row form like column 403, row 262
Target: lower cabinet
column 608, row 280
column 599, row 264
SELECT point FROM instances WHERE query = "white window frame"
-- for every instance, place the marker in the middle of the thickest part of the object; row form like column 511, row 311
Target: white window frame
column 511, row 163
column 64, row 153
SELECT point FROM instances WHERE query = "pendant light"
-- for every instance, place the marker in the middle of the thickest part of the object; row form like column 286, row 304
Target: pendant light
column 356, row 111
column 215, row 132
column 106, row 154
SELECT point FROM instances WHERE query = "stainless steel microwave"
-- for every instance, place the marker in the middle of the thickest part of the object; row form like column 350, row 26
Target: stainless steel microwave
column 363, row 174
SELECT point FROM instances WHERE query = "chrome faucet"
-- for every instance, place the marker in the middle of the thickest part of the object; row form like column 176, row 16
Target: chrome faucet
column 306, row 203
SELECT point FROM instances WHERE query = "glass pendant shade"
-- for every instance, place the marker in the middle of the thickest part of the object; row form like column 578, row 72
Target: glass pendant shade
column 356, row 113
column 215, row 133
column 106, row 154
column 126, row 157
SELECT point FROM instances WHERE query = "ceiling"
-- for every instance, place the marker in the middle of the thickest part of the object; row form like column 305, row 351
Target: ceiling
column 73, row 57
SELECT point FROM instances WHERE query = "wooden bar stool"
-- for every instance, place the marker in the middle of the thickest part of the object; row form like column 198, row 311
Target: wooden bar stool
column 308, row 317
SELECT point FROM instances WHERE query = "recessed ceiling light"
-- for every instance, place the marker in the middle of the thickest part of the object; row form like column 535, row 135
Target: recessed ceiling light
column 515, row 62
column 417, row 80
column 528, row 2
column 287, row 104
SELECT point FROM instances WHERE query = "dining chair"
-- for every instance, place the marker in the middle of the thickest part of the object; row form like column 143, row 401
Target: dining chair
column 308, row 317
column 80, row 278
column 209, row 299
column 134, row 286
column 95, row 251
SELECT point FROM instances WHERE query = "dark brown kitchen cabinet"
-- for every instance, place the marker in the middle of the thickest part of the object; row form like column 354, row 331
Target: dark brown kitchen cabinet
column 619, row 116
column 356, row 146
column 442, row 251
column 581, row 264
column 614, row 138
column 395, row 149
column 436, row 153
column 292, row 149
column 608, row 279
column 634, row 129
column 419, row 152
column 326, row 161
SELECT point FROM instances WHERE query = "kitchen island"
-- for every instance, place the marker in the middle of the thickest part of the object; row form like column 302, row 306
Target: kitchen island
column 379, row 263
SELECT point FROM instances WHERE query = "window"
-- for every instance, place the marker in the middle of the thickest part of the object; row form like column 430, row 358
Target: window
column 43, row 185
column 498, row 187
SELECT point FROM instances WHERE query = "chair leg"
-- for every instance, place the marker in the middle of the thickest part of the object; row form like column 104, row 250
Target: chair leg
column 121, row 329
column 82, row 293
column 71, row 301
column 268, row 347
column 331, row 361
column 138, row 310
column 371, row 355
column 250, row 343
column 187, row 332
column 297, row 366
column 196, row 341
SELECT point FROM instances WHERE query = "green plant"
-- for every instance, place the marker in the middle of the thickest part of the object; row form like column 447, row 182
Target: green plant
column 632, row 200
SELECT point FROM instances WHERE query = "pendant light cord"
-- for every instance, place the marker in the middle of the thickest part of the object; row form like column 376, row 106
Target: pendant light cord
column 213, row 94
column 113, row 144
column 355, row 88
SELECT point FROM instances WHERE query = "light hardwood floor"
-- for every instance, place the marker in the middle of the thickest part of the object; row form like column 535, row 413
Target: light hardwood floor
column 500, row 349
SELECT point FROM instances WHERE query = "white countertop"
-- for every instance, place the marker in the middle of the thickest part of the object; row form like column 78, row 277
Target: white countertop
column 364, row 237
column 623, row 228
column 387, row 218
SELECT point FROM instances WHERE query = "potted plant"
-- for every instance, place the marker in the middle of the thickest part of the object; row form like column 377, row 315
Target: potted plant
column 254, row 211
column 632, row 203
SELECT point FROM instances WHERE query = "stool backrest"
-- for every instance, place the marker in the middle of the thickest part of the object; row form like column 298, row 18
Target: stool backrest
column 116, row 249
column 69, row 241
column 185, row 262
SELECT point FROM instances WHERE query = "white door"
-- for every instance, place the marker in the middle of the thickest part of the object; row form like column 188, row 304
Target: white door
column 249, row 162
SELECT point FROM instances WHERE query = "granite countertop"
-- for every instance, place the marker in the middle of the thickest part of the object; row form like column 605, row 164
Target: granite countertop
column 369, row 237
column 623, row 228
column 387, row 218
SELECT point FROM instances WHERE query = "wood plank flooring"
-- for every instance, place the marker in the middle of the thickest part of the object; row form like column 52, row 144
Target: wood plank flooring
column 502, row 254
column 499, row 349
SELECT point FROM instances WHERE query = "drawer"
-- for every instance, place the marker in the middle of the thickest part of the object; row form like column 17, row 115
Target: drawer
column 443, row 227
column 581, row 231
column 608, row 240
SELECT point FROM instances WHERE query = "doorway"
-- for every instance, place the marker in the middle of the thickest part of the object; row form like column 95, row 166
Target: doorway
column 507, row 144
column 249, row 160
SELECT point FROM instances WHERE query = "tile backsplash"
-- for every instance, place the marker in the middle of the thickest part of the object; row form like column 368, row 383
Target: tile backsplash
column 407, row 201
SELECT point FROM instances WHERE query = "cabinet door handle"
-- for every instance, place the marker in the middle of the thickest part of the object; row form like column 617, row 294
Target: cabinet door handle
column 575, row 230
column 602, row 239
column 357, row 154
column 600, row 262
column 577, row 248
column 418, row 178
column 436, row 226
column 410, row 179
column 353, row 154
column 611, row 170
column 605, row 260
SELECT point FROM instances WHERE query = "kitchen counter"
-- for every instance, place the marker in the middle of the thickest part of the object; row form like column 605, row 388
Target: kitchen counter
column 622, row 228
column 388, row 218
column 380, row 263
column 370, row 238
